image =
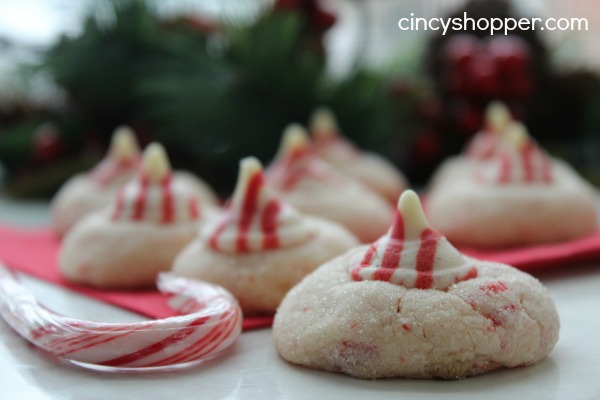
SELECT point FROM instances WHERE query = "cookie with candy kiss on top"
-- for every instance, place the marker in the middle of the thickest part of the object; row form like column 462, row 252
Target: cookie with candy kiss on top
column 149, row 221
column 481, row 147
column 91, row 191
column 370, row 169
column 310, row 185
column 411, row 305
column 261, row 246
column 518, row 196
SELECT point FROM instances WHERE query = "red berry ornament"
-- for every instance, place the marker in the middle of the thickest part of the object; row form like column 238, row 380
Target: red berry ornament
column 47, row 143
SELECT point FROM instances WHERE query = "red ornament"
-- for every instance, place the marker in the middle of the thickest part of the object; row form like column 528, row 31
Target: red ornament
column 47, row 143
column 319, row 19
column 426, row 147
column 460, row 50
column 288, row 4
column 484, row 76
column 510, row 53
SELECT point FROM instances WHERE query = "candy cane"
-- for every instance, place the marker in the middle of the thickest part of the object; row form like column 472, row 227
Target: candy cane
column 212, row 322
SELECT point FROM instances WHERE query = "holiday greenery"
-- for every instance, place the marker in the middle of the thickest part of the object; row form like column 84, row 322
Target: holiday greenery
column 213, row 92
column 210, row 92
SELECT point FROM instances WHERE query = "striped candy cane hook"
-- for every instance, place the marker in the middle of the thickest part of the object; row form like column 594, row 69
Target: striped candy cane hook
column 210, row 323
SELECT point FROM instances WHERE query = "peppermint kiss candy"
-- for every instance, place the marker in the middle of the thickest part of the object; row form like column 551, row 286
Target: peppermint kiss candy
column 296, row 162
column 140, row 233
column 85, row 193
column 157, row 195
column 370, row 169
column 411, row 305
column 261, row 246
column 312, row 186
column 412, row 254
column 482, row 147
column 328, row 141
column 122, row 159
column 497, row 121
column 256, row 219
column 518, row 160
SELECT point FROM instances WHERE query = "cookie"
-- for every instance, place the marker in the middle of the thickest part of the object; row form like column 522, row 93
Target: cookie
column 370, row 169
column 88, row 192
column 260, row 247
column 92, row 191
column 310, row 185
column 149, row 221
column 519, row 196
column 481, row 147
column 410, row 305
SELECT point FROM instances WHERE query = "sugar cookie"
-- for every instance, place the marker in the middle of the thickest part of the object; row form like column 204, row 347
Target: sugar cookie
column 369, row 168
column 260, row 247
column 309, row 184
column 88, row 192
column 150, row 220
column 519, row 196
column 410, row 305
column 481, row 147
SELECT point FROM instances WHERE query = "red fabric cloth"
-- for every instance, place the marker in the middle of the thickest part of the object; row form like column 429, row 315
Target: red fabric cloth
column 536, row 258
column 34, row 251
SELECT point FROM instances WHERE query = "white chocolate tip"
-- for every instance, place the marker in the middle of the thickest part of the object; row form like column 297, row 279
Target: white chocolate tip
column 323, row 123
column 249, row 167
column 497, row 116
column 155, row 162
column 516, row 135
column 123, row 145
column 294, row 137
column 413, row 215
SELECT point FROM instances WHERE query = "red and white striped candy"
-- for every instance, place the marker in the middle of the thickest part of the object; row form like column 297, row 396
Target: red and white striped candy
column 256, row 219
column 412, row 254
column 328, row 141
column 519, row 160
column 121, row 161
column 211, row 322
column 156, row 195
column 297, row 161
column 486, row 143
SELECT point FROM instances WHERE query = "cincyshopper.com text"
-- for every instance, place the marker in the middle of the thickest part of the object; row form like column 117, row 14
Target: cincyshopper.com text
column 492, row 25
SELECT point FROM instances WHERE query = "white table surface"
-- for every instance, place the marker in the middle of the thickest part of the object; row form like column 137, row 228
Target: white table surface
column 252, row 369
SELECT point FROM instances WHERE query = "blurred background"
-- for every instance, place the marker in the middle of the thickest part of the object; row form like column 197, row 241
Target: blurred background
column 217, row 80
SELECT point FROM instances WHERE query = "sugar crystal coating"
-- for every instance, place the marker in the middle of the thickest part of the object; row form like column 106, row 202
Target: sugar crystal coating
column 387, row 318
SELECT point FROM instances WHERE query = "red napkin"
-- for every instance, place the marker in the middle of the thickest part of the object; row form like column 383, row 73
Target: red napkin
column 34, row 251
column 544, row 256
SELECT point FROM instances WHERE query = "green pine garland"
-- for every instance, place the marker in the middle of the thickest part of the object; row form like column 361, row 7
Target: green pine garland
column 214, row 97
